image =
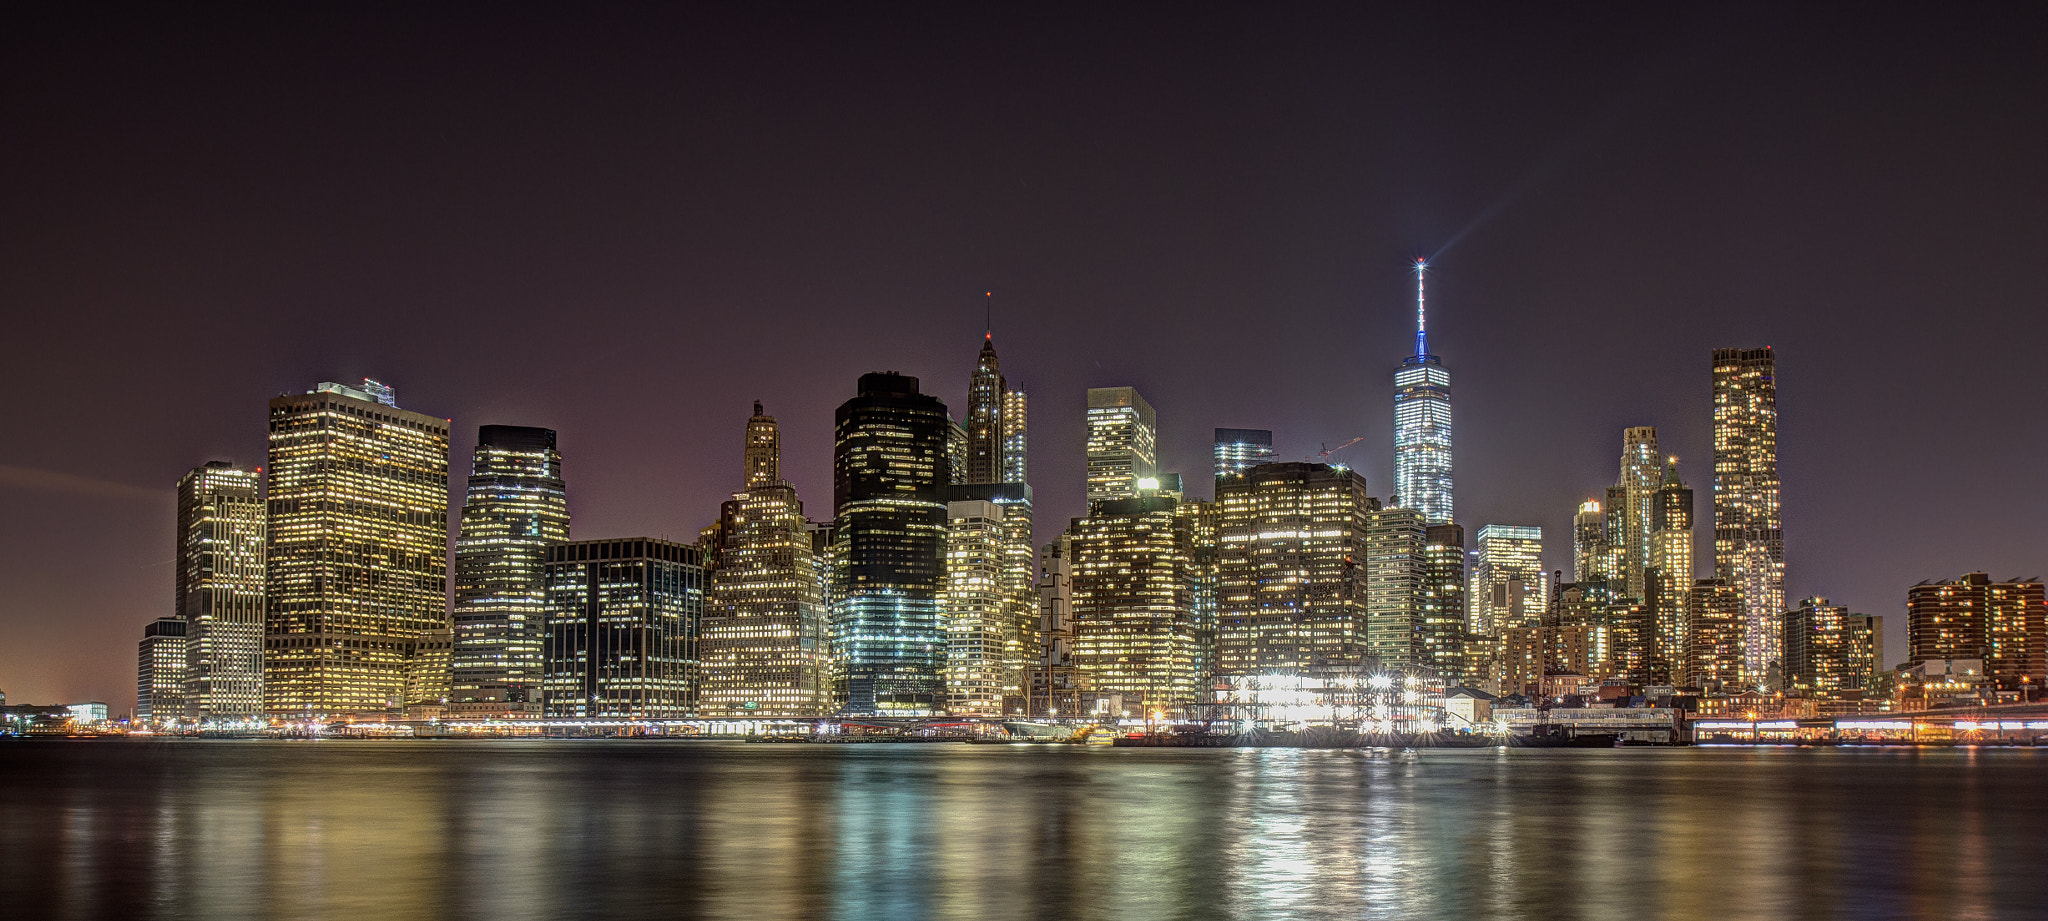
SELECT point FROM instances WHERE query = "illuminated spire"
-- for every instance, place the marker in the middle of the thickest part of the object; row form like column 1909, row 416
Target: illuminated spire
column 1421, row 327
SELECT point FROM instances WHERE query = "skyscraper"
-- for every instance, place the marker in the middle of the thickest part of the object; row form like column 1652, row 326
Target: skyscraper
column 1238, row 450
column 1053, row 685
column 220, row 589
column 1749, row 538
column 1508, row 587
column 1668, row 580
column 1974, row 617
column 1123, row 443
column 1292, row 574
column 765, row 644
column 1631, row 509
column 891, row 470
column 985, row 605
column 1133, row 601
column 160, row 671
column 1444, row 649
column 1827, row 649
column 979, row 606
column 622, row 628
column 516, row 505
column 1716, row 635
column 1591, row 551
column 357, row 554
column 986, row 391
column 1016, row 431
column 1394, row 583
column 1422, row 425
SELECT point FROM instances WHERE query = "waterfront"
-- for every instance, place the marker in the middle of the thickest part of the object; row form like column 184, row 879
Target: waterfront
column 501, row 830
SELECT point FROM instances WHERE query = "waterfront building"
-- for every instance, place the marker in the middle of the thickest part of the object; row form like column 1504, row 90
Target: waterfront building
column 1395, row 544
column 160, row 671
column 1668, row 580
column 1828, row 650
column 1632, row 642
column 765, row 641
column 1974, row 617
column 978, row 608
column 1123, row 443
column 1054, row 685
column 621, row 631
column 1442, row 647
column 220, row 591
column 1631, row 509
column 1422, row 424
column 1508, row 586
column 1133, row 605
column 891, row 474
column 1577, row 641
column 1717, row 636
column 1205, row 573
column 515, row 506
column 1291, row 587
column 1520, row 660
column 1749, row 537
column 356, row 560
column 1239, row 450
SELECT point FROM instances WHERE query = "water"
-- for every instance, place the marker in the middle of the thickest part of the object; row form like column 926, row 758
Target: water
column 513, row 830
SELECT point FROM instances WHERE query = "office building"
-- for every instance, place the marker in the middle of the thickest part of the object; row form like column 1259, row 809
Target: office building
column 1054, row 683
column 1668, row 579
column 356, row 564
column 1292, row 574
column 1508, row 586
column 1443, row 649
column 1592, row 553
column 979, row 609
column 1133, row 606
column 1631, row 510
column 621, row 631
column 516, row 505
column 1422, row 425
column 1395, row 543
column 220, row 591
column 891, row 474
column 1749, row 540
column 765, row 640
column 160, row 672
column 1717, row 636
column 1974, row 617
column 1016, row 435
column 1239, row 450
column 1123, row 443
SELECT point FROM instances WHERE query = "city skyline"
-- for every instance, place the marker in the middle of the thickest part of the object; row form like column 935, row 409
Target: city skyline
column 1181, row 313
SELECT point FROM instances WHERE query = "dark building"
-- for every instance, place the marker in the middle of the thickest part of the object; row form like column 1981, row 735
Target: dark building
column 891, row 471
column 622, row 619
column 517, row 504
column 1442, row 603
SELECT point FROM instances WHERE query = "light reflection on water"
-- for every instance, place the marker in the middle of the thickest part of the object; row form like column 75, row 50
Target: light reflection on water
column 511, row 830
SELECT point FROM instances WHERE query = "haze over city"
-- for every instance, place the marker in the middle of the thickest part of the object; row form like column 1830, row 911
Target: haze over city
column 628, row 228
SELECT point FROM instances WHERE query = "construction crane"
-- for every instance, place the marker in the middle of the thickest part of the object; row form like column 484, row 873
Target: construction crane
column 1325, row 453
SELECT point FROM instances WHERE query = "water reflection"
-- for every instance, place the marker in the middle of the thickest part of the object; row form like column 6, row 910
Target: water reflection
column 756, row 832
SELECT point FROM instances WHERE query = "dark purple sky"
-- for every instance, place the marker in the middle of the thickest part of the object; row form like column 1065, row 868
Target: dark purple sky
column 627, row 224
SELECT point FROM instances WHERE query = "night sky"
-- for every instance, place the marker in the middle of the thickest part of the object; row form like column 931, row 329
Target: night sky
column 629, row 223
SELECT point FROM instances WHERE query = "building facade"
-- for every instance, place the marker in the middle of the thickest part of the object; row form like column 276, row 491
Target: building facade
column 621, row 632
column 1508, row 586
column 356, row 559
column 1444, row 648
column 1123, row 443
column 515, row 506
column 1717, row 636
column 220, row 591
column 891, row 475
column 160, row 672
column 1133, row 604
column 765, row 642
column 1395, row 543
column 1239, row 450
column 1422, row 425
column 1669, row 578
column 1749, row 537
column 1976, row 617
column 979, row 608
column 1828, row 650
column 1292, row 575
column 1631, row 510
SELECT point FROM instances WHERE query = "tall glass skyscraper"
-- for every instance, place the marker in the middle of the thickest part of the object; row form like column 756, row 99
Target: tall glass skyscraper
column 1749, row 538
column 220, row 591
column 1239, row 450
column 1123, row 443
column 1631, row 509
column 1422, row 425
column 356, row 567
column 517, row 504
column 891, row 471
column 1508, row 588
column 622, row 628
